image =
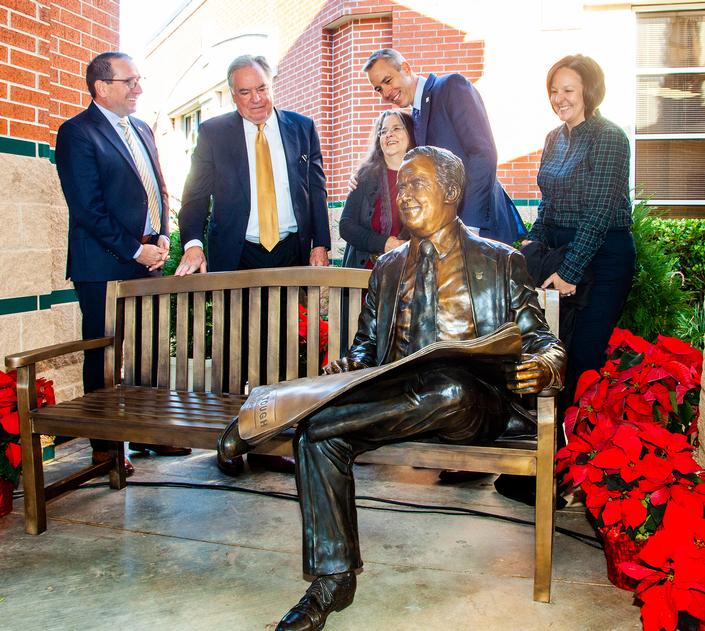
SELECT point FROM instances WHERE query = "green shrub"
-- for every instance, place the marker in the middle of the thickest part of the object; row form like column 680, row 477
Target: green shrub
column 685, row 238
column 657, row 300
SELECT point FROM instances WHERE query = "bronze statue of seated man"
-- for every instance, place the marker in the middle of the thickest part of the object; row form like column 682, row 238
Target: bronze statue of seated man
column 444, row 284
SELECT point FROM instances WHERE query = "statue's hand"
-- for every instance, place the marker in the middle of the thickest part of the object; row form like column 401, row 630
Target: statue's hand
column 342, row 365
column 530, row 375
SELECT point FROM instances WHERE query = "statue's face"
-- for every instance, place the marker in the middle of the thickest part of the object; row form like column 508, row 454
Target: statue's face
column 424, row 204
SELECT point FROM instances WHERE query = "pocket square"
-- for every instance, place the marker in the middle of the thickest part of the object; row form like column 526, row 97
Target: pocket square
column 304, row 157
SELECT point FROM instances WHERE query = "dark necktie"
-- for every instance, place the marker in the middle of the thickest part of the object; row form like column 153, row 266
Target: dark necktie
column 416, row 117
column 423, row 304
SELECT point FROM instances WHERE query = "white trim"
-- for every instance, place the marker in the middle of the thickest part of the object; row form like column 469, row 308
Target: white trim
column 674, row 202
column 655, row 71
column 693, row 136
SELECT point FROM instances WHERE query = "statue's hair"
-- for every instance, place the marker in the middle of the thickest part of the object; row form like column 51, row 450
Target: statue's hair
column 449, row 167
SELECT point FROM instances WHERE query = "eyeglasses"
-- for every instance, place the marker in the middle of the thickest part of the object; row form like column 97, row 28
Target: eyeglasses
column 392, row 130
column 131, row 83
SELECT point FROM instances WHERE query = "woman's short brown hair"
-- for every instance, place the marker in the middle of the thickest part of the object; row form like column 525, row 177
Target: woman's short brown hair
column 590, row 74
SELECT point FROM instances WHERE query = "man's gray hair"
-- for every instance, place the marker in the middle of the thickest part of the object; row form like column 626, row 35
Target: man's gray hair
column 391, row 56
column 245, row 61
column 450, row 170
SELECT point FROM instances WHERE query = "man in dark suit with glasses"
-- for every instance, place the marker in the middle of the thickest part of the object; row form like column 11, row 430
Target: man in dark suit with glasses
column 118, row 206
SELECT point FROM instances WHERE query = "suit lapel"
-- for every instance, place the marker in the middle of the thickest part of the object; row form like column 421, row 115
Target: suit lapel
column 237, row 150
column 486, row 297
column 290, row 140
column 425, row 109
column 108, row 131
column 387, row 299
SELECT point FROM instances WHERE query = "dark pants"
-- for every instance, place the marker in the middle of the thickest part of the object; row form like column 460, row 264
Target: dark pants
column 91, row 300
column 445, row 402
column 613, row 270
column 284, row 254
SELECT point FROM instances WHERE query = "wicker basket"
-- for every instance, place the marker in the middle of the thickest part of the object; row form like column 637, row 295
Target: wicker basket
column 618, row 548
column 6, row 489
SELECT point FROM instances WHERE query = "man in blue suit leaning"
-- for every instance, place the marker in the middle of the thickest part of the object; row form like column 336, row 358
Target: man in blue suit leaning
column 448, row 112
column 118, row 205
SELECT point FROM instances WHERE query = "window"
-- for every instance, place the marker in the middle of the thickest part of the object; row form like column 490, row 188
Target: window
column 189, row 125
column 670, row 111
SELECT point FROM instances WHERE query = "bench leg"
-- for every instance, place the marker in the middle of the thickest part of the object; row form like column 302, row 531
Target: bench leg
column 545, row 499
column 35, row 511
column 117, row 478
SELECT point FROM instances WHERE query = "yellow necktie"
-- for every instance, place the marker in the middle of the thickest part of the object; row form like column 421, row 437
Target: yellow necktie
column 145, row 176
column 266, row 195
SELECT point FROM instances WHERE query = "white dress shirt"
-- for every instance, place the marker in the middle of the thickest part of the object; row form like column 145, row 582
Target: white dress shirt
column 285, row 209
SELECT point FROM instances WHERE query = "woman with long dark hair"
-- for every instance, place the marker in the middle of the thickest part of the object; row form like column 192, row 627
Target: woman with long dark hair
column 370, row 222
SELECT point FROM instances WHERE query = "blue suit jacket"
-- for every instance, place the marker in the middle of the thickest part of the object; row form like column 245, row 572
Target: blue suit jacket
column 220, row 180
column 106, row 199
column 453, row 117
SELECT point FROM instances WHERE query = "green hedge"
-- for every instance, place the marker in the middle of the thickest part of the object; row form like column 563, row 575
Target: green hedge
column 685, row 238
column 669, row 286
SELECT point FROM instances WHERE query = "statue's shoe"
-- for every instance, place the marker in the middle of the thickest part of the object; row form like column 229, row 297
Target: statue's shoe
column 230, row 444
column 326, row 594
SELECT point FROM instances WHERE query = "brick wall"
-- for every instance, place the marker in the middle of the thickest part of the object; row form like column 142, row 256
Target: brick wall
column 44, row 49
column 43, row 56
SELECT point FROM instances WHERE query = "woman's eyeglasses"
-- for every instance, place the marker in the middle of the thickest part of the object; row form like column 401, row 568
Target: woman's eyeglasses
column 397, row 129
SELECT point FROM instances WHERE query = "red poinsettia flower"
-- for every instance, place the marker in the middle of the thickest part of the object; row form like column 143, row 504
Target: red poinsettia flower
column 575, row 459
column 8, row 379
column 10, row 422
column 624, row 456
column 671, row 571
column 685, row 353
column 14, row 454
column 624, row 337
column 45, row 392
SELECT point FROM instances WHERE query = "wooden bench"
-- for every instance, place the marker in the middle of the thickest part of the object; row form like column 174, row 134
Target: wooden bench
column 138, row 404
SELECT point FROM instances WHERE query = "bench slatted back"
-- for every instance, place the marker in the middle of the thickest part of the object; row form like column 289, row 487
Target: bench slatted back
column 141, row 312
column 163, row 318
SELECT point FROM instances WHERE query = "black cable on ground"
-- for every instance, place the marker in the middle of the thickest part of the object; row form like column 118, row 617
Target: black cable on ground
column 399, row 506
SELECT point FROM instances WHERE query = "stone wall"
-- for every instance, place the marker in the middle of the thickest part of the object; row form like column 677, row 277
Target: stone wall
column 33, row 259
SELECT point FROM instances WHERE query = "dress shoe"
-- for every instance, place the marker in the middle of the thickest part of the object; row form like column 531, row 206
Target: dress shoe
column 326, row 594
column 522, row 488
column 453, row 476
column 230, row 444
column 280, row 464
column 99, row 457
column 160, row 450
column 230, row 466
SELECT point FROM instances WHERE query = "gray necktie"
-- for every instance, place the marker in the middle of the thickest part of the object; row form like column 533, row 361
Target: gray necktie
column 424, row 302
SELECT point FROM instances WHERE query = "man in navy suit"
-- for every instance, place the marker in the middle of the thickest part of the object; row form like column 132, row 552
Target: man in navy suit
column 224, row 192
column 223, row 179
column 118, row 204
column 448, row 112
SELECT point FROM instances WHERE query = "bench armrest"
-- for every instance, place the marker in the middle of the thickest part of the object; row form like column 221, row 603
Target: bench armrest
column 27, row 358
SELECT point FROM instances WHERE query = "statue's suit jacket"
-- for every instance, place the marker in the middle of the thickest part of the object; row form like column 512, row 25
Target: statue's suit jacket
column 219, row 181
column 501, row 292
column 453, row 117
column 106, row 198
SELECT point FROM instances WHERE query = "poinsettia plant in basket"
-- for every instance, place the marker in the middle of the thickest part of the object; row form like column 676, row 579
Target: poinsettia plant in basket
column 630, row 452
column 10, row 453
